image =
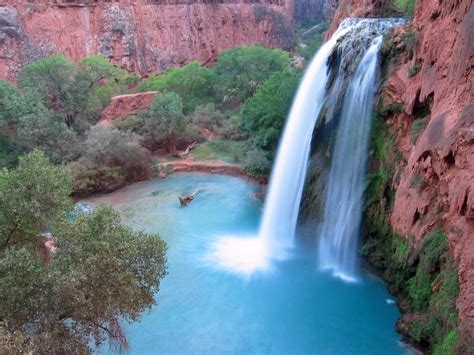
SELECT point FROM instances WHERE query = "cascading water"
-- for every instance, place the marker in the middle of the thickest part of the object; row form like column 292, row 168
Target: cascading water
column 343, row 209
column 276, row 234
column 277, row 229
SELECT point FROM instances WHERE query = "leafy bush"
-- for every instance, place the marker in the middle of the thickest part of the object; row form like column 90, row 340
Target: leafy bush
column 257, row 163
column 111, row 158
column 208, row 117
column 238, row 72
column 133, row 123
column 406, row 7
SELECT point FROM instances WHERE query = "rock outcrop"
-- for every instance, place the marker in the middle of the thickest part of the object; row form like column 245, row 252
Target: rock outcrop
column 122, row 106
column 436, row 185
column 143, row 36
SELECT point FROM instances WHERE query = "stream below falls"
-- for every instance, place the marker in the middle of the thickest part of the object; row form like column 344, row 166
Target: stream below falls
column 291, row 308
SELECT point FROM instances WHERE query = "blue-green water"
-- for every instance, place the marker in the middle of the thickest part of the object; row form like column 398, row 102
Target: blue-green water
column 295, row 309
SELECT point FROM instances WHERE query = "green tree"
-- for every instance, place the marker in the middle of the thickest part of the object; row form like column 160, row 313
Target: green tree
column 45, row 130
column 77, row 92
column 264, row 114
column 100, row 274
column 192, row 82
column 165, row 124
column 30, row 196
column 239, row 71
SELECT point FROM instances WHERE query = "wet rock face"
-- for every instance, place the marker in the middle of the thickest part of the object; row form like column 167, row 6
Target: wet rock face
column 143, row 36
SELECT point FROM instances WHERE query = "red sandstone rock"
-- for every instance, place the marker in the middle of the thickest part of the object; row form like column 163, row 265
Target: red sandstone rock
column 143, row 36
column 122, row 106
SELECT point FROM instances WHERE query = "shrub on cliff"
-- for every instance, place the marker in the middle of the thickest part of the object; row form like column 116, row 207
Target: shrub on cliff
column 191, row 82
column 110, row 159
column 238, row 72
column 72, row 295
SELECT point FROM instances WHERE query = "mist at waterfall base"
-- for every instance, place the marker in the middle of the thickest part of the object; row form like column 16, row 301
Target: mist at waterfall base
column 340, row 227
column 202, row 310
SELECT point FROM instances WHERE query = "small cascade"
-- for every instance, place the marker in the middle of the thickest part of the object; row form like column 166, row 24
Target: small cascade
column 344, row 193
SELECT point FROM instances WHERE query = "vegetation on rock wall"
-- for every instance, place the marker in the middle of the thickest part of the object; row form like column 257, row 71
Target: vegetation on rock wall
column 422, row 275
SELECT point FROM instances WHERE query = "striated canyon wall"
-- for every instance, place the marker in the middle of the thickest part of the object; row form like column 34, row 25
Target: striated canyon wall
column 143, row 36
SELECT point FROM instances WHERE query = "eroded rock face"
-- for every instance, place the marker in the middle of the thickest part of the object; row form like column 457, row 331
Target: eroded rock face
column 436, row 186
column 122, row 106
column 143, row 36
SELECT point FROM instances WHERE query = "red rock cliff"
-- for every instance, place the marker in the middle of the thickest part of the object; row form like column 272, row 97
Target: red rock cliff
column 435, row 188
column 144, row 36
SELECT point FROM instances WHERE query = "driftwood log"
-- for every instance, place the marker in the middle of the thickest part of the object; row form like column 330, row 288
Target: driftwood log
column 182, row 155
column 186, row 200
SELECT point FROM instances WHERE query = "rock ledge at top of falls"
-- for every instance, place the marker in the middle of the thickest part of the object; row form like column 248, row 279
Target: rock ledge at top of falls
column 143, row 36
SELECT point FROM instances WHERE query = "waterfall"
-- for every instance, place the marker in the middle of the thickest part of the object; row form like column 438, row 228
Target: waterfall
column 282, row 202
column 344, row 193
column 277, row 229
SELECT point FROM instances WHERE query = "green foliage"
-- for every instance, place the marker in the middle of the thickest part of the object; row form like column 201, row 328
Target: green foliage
column 415, row 69
column 165, row 122
column 407, row 7
column 257, row 163
column 264, row 114
column 419, row 289
column 238, row 72
column 77, row 92
column 110, row 159
column 417, row 127
column 193, row 83
column 448, row 344
column 101, row 274
column 410, row 41
column 208, row 117
column 311, row 40
column 226, row 150
column 133, row 124
column 30, row 196
column 45, row 130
